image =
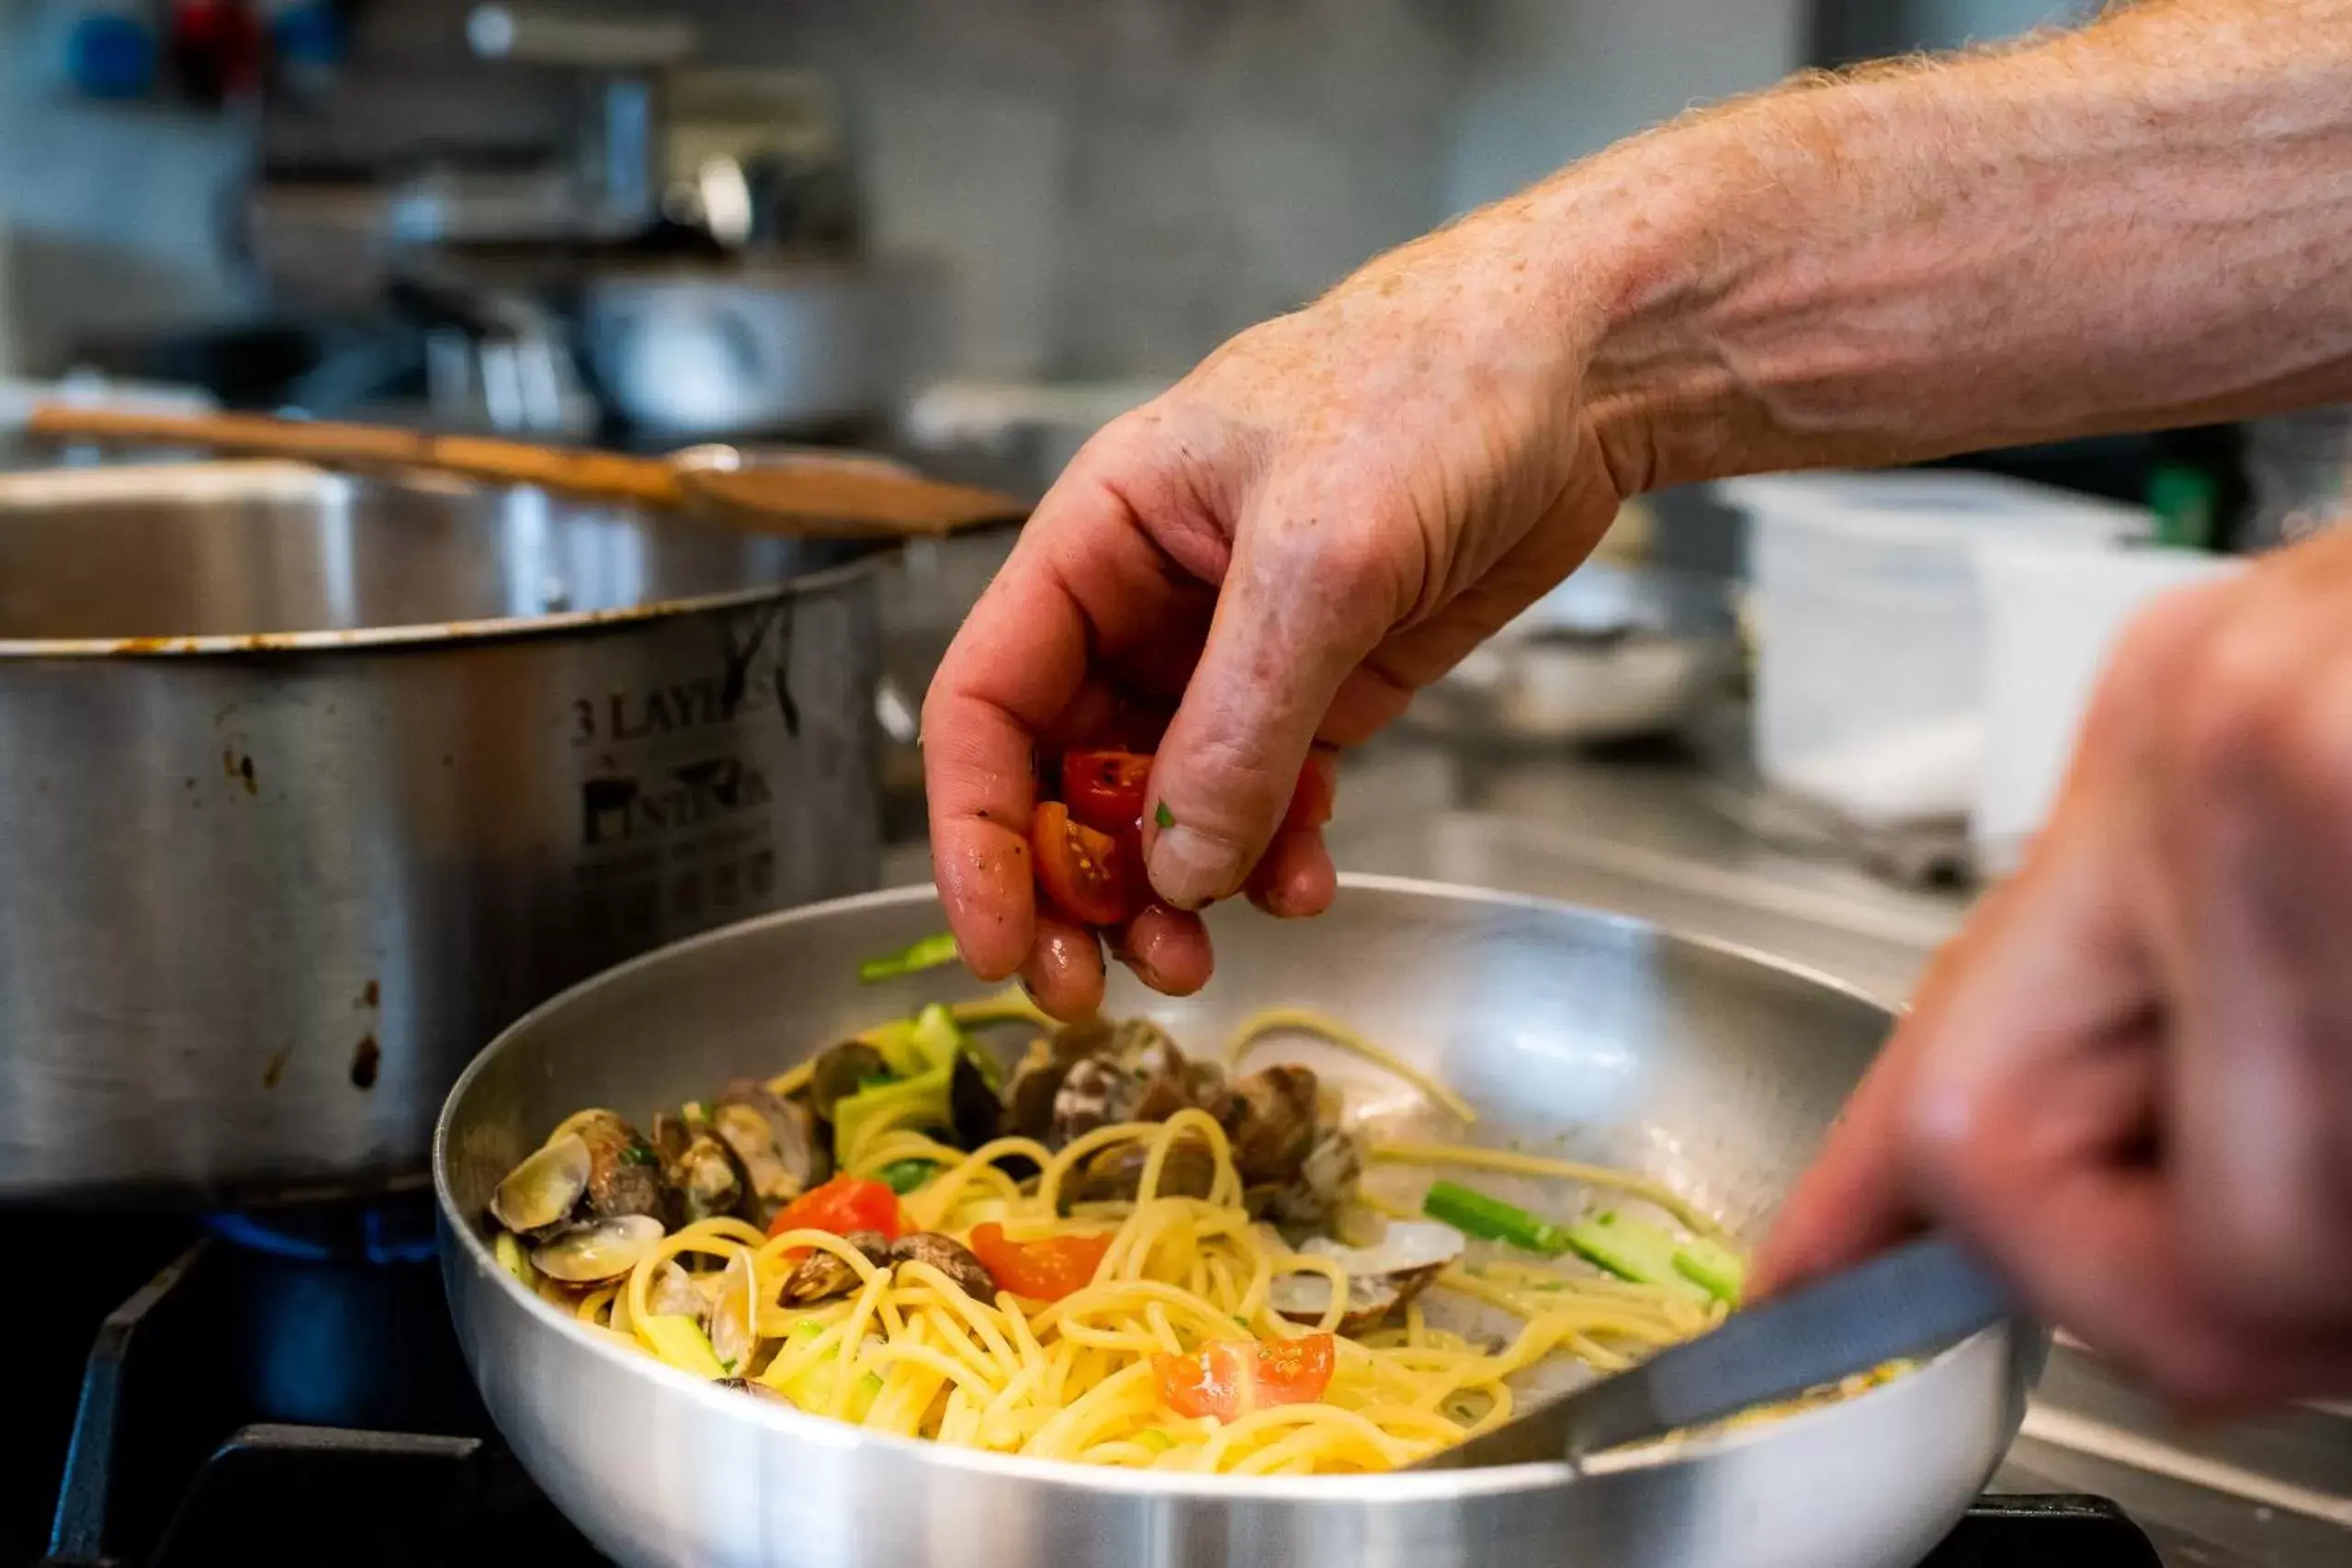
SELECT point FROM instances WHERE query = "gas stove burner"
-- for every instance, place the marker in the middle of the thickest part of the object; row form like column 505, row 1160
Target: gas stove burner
column 382, row 1231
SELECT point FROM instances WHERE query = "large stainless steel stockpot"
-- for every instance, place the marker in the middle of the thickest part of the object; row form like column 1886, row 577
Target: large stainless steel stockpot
column 1595, row 1036
column 310, row 784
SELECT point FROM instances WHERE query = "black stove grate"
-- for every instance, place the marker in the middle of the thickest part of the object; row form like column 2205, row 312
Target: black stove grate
column 272, row 1409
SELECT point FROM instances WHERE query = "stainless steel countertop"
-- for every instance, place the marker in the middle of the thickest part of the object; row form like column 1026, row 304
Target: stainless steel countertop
column 1662, row 834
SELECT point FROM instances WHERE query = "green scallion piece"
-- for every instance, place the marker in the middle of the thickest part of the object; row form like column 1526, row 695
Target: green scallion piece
column 931, row 952
column 1491, row 1219
column 903, row 1175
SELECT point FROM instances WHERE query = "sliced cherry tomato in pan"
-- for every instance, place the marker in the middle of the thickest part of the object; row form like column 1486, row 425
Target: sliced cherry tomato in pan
column 1043, row 1270
column 845, row 1203
column 1227, row 1378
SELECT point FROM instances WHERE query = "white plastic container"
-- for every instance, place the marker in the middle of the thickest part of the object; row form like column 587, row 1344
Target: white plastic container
column 1872, row 630
column 2056, row 611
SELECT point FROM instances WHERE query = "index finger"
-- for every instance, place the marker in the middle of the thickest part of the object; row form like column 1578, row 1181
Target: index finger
column 1085, row 585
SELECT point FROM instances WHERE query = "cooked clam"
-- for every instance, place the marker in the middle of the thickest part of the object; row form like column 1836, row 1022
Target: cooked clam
column 674, row 1294
column 1029, row 1100
column 757, row 1390
column 736, row 1313
column 624, row 1172
column 1206, row 1083
column 1380, row 1278
column 698, row 1168
column 1116, row 1174
column 776, row 1143
column 1093, row 1093
column 593, row 1251
column 841, row 1071
column 543, row 1189
column 951, row 1258
column 1271, row 1122
column 973, row 1106
column 1326, row 1179
column 824, row 1275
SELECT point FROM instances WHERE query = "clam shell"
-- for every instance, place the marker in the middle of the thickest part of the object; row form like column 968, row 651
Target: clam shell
column 735, row 1312
column 543, row 1189
column 598, row 1250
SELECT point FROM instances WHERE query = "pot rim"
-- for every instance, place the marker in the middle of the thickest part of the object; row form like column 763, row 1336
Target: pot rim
column 864, row 558
column 462, row 1247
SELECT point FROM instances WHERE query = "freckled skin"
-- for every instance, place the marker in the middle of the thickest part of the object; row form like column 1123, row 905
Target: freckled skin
column 2135, row 226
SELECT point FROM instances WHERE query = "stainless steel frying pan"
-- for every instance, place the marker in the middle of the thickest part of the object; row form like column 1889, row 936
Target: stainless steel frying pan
column 1597, row 1037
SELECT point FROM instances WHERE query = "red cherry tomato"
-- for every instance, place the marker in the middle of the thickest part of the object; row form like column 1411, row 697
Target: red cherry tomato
column 1090, row 875
column 1105, row 789
column 1043, row 1270
column 845, row 1203
column 1227, row 1378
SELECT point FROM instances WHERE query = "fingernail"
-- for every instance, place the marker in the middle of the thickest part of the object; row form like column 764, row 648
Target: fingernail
column 1190, row 869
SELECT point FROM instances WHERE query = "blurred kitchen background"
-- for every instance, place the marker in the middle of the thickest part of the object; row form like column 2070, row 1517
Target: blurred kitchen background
column 963, row 231
column 1810, row 714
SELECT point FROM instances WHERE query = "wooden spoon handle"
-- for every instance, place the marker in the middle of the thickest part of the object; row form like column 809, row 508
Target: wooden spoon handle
column 823, row 498
column 577, row 472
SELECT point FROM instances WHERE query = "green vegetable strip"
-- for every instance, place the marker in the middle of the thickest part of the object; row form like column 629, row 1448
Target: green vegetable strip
column 931, row 952
column 1718, row 1270
column 1491, row 1219
column 903, row 1175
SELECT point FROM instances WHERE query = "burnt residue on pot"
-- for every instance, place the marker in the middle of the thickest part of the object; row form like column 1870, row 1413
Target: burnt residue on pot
column 365, row 1058
column 239, row 767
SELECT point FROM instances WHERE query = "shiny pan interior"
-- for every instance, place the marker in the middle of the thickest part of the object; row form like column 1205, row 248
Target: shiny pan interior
column 1587, row 1035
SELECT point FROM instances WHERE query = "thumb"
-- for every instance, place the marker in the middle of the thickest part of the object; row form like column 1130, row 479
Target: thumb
column 1308, row 595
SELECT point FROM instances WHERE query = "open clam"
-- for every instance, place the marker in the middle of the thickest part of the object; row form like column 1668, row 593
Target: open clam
column 1271, row 1121
column 593, row 1251
column 697, row 1168
column 776, row 1143
column 757, row 1390
column 624, row 1172
column 1380, row 1278
column 1116, row 1174
column 734, row 1316
column 673, row 1295
column 951, row 1258
column 824, row 1275
column 1325, row 1181
column 841, row 1071
column 544, row 1189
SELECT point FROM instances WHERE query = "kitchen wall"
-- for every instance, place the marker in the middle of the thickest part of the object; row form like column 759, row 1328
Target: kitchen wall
column 1122, row 183
column 1550, row 82
column 1101, row 188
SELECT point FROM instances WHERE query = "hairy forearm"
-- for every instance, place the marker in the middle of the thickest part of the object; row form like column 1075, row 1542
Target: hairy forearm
column 2147, row 223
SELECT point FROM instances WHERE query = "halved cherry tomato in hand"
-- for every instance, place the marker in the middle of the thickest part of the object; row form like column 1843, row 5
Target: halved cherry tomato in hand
column 845, row 1203
column 1227, row 1378
column 1047, row 1269
column 1105, row 789
column 1089, row 876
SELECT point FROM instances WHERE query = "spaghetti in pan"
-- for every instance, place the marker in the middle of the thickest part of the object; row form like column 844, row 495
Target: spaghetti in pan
column 1109, row 1253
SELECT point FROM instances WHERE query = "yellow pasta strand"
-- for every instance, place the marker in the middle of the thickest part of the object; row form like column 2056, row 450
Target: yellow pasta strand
column 1305, row 1021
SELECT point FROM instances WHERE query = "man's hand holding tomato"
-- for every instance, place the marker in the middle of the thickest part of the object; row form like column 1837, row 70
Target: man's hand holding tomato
column 2131, row 1081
